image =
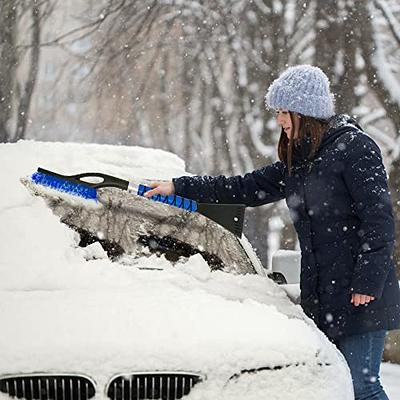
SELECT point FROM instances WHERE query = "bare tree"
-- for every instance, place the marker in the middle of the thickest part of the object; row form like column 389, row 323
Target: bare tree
column 381, row 51
column 8, row 55
column 16, row 89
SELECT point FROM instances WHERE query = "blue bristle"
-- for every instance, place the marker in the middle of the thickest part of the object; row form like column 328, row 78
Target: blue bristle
column 65, row 186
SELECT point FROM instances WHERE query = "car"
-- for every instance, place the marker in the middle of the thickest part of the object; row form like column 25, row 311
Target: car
column 125, row 298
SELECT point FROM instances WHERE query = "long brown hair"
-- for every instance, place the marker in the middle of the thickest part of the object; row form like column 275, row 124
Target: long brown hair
column 309, row 127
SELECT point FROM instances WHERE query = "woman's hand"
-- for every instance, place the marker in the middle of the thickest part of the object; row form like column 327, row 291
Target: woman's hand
column 358, row 299
column 163, row 188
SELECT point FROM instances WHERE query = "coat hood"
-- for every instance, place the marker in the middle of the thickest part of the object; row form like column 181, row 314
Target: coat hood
column 337, row 126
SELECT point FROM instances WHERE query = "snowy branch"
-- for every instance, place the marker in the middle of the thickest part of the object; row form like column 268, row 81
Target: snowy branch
column 393, row 23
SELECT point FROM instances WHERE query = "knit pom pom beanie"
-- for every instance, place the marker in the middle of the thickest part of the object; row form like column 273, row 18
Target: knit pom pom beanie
column 303, row 89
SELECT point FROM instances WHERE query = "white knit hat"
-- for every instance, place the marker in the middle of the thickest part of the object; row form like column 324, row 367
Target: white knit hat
column 303, row 89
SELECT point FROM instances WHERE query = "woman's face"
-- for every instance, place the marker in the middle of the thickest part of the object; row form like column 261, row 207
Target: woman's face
column 283, row 119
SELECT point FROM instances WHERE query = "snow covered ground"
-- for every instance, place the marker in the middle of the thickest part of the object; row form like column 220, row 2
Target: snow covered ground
column 390, row 377
column 65, row 308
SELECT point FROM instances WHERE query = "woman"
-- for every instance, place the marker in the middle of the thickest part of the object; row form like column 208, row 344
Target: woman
column 334, row 182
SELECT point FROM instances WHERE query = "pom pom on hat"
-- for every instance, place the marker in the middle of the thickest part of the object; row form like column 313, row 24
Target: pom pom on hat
column 303, row 89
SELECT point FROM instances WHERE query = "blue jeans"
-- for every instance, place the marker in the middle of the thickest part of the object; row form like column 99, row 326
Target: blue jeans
column 363, row 354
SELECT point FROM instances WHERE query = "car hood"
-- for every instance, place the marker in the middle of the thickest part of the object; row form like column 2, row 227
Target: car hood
column 185, row 318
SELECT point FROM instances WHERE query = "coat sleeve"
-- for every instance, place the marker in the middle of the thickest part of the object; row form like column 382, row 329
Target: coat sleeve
column 256, row 188
column 366, row 179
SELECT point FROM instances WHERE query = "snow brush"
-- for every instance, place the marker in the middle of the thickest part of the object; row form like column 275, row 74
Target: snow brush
column 230, row 216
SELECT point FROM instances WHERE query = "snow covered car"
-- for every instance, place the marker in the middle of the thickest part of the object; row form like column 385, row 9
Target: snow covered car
column 124, row 298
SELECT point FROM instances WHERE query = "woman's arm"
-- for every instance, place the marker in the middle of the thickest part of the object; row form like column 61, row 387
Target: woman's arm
column 261, row 186
column 366, row 179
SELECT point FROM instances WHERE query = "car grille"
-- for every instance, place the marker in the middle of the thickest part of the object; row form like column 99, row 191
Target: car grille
column 157, row 385
column 48, row 387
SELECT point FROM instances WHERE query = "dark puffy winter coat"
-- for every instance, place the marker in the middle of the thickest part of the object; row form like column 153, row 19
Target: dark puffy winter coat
column 341, row 208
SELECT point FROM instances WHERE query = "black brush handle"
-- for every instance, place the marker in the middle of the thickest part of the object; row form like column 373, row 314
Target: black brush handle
column 107, row 180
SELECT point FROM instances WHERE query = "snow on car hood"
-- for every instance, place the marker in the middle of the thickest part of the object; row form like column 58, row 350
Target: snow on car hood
column 61, row 312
